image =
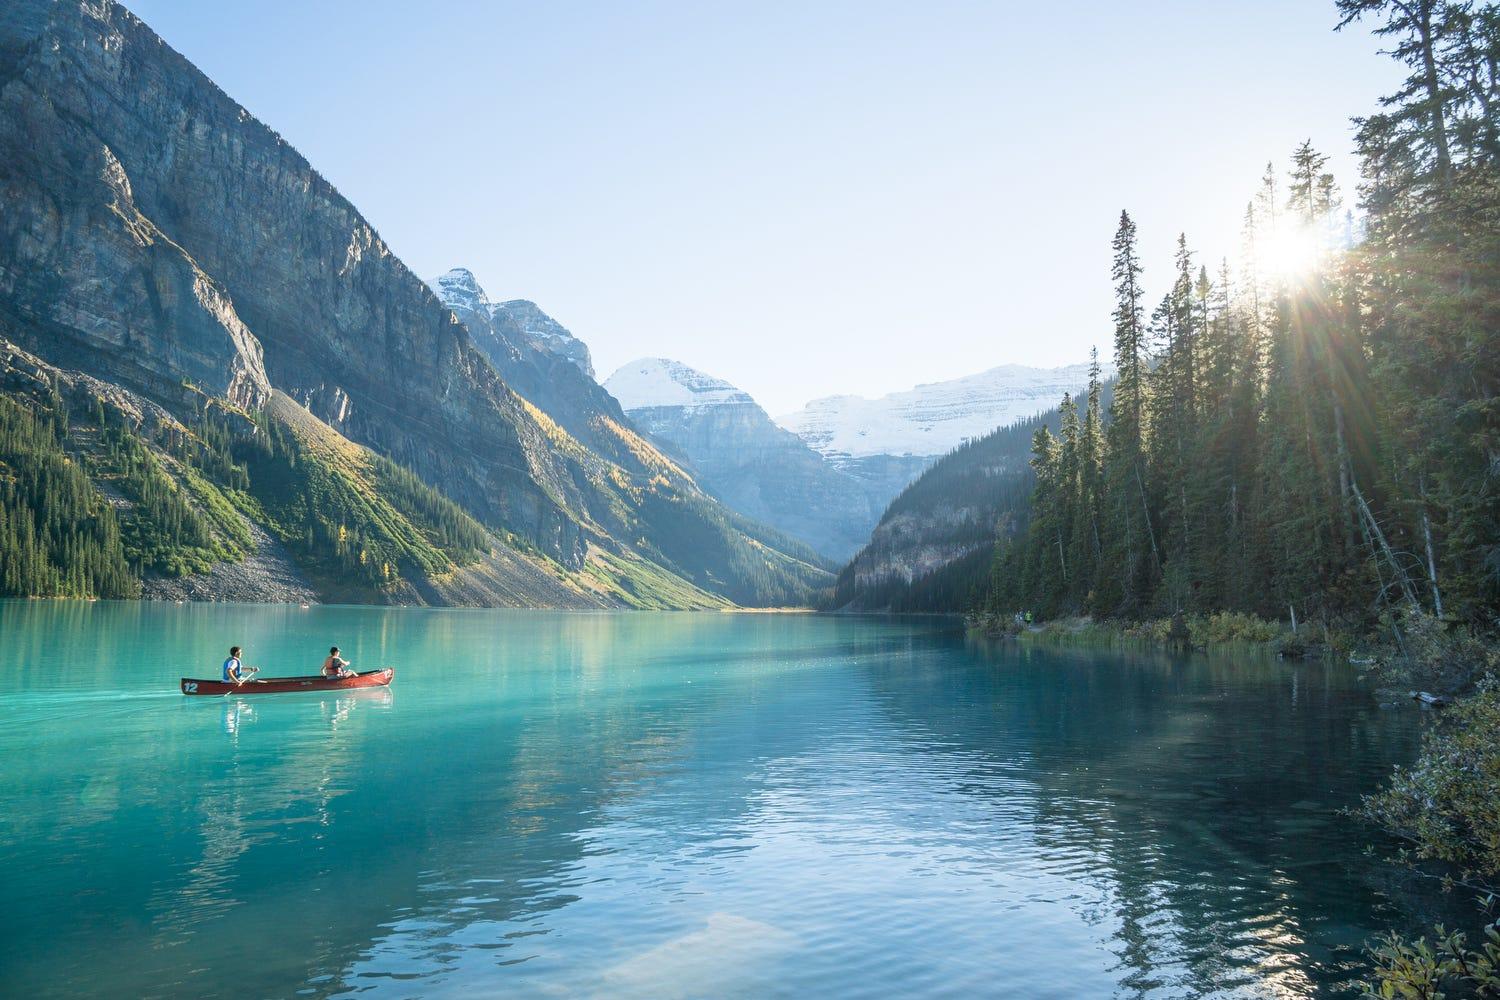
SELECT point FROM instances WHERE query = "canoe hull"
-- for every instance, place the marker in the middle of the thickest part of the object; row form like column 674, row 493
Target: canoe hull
column 287, row 685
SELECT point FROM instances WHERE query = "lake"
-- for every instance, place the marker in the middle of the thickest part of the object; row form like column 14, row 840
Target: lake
column 660, row 805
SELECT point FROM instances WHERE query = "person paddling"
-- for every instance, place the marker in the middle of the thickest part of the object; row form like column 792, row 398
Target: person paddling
column 336, row 666
column 234, row 671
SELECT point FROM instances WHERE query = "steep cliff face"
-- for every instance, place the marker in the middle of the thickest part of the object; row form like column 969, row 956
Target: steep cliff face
column 744, row 459
column 85, row 271
column 157, row 235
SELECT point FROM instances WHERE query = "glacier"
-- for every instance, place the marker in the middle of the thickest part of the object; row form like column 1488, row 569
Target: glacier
column 931, row 419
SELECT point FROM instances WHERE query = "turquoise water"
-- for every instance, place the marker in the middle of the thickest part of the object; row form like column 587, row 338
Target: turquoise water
column 665, row 805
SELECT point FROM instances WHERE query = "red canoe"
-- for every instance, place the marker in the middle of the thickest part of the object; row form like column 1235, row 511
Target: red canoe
column 281, row 685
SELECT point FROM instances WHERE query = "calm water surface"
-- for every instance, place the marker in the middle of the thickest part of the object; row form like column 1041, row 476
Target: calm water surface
column 673, row 805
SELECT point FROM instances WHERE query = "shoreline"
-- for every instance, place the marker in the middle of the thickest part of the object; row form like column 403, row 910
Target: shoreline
column 1195, row 633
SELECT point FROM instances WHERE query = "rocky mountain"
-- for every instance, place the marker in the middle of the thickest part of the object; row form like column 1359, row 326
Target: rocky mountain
column 540, row 361
column 544, row 331
column 162, row 247
column 517, row 320
column 929, row 420
column 739, row 455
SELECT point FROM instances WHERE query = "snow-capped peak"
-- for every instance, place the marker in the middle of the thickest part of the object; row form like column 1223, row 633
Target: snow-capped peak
column 460, row 290
column 658, row 382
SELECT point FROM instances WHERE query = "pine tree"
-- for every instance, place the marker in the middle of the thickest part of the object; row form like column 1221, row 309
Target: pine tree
column 1130, row 556
column 1087, row 539
column 1411, row 139
column 1046, row 569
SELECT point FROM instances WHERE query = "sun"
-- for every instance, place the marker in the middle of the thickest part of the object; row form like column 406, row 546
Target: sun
column 1291, row 252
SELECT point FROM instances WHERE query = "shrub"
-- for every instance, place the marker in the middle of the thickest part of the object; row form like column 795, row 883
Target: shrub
column 1232, row 626
column 1421, row 970
column 1425, row 652
column 1447, row 804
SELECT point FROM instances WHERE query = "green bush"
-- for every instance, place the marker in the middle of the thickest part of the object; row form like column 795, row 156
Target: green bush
column 1423, row 971
column 1232, row 626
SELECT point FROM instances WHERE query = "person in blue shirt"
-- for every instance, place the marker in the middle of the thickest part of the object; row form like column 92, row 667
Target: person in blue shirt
column 234, row 672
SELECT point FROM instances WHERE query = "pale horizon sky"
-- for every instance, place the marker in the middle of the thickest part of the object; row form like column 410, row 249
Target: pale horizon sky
column 803, row 199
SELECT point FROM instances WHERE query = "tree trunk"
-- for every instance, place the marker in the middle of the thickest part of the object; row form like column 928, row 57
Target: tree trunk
column 1434, row 88
column 1346, row 476
column 1146, row 510
column 1437, row 597
column 1373, row 525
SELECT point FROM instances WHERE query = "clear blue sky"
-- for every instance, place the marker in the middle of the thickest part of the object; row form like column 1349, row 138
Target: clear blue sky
column 803, row 198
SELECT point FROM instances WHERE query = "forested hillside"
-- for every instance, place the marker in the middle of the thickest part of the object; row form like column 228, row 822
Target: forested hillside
column 58, row 537
column 1311, row 428
column 97, row 496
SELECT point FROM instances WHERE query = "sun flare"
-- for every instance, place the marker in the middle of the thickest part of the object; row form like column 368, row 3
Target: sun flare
column 1291, row 252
